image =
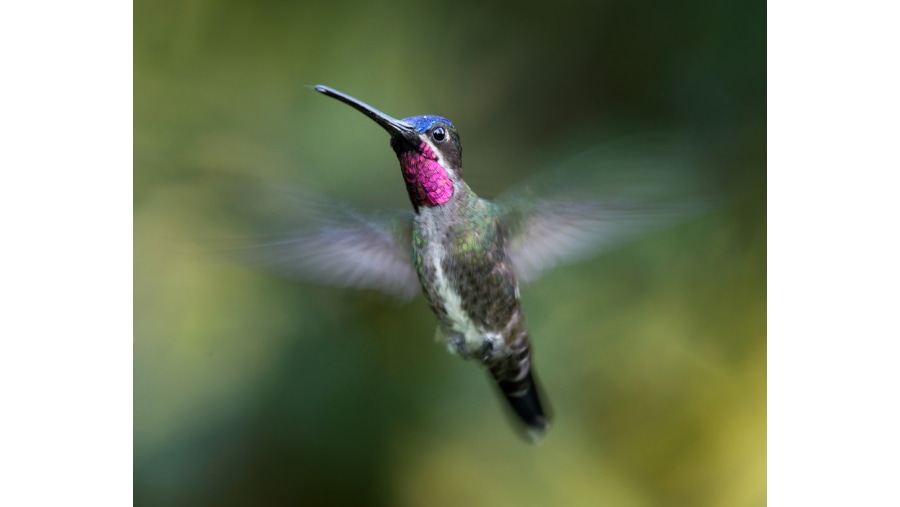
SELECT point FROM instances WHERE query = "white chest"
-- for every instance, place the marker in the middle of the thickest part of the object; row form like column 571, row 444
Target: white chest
column 457, row 322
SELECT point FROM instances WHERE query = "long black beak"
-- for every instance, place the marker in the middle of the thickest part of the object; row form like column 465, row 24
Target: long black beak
column 394, row 126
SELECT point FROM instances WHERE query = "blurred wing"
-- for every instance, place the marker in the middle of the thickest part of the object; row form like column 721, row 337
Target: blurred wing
column 337, row 245
column 599, row 200
column 551, row 233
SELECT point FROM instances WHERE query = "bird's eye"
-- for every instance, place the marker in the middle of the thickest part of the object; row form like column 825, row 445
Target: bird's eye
column 439, row 134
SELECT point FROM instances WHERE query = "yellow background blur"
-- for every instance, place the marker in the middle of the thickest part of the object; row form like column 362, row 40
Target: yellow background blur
column 252, row 390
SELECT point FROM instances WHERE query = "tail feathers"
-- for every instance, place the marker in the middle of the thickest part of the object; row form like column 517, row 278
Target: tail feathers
column 524, row 398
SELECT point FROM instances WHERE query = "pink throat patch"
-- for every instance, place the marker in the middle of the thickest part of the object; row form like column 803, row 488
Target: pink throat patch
column 426, row 180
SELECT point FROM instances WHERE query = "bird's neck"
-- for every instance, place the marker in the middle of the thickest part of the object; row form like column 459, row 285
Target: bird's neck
column 427, row 181
column 460, row 208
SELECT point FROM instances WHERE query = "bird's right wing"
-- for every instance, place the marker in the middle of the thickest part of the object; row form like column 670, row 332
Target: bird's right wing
column 334, row 244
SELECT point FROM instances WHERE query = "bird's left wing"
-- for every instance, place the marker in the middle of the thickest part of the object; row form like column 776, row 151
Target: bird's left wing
column 599, row 200
column 547, row 233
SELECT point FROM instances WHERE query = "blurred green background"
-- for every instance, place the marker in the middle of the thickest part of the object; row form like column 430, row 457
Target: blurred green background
column 252, row 390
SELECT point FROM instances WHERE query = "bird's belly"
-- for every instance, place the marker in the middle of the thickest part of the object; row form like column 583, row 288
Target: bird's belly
column 454, row 318
column 467, row 279
column 467, row 333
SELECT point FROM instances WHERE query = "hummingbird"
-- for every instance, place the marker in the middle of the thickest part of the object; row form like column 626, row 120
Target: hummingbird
column 466, row 254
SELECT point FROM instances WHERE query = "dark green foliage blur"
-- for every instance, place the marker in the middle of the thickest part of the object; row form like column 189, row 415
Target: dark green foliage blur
column 253, row 390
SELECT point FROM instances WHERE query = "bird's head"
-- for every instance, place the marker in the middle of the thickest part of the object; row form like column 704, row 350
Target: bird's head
column 427, row 147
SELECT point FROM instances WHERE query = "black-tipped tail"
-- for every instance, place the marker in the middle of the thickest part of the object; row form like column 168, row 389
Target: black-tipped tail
column 525, row 399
